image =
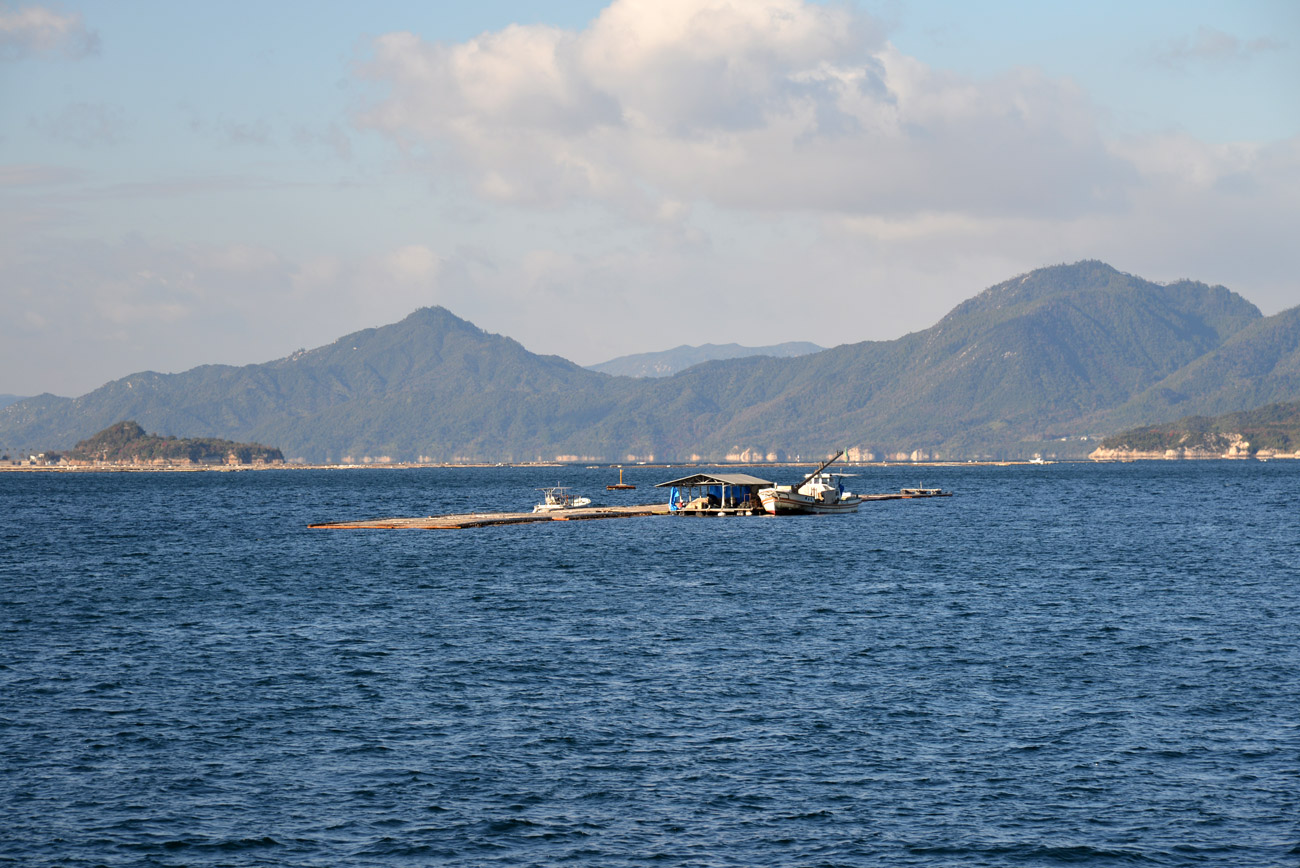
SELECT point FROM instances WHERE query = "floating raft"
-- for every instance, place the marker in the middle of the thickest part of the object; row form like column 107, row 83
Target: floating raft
column 486, row 519
column 906, row 494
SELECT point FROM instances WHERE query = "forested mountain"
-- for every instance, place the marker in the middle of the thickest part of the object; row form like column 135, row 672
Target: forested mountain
column 1034, row 364
column 1008, row 372
column 1258, row 365
column 668, row 362
column 431, row 385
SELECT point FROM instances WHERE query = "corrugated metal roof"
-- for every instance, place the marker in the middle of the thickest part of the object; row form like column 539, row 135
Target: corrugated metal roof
column 715, row 479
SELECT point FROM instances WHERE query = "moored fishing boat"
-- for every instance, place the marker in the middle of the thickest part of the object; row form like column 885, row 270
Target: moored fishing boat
column 819, row 493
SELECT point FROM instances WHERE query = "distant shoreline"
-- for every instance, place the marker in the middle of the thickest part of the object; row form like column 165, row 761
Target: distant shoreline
column 258, row 468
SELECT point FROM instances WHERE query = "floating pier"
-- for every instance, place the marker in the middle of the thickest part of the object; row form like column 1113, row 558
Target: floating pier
column 487, row 519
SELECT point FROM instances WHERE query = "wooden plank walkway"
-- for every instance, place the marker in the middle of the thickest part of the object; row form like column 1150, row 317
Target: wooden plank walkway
column 486, row 519
column 900, row 496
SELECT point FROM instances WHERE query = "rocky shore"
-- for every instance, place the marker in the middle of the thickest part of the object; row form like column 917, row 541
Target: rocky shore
column 1187, row 453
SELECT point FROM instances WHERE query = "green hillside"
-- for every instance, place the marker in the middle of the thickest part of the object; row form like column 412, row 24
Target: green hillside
column 1275, row 427
column 1034, row 364
column 1029, row 358
column 430, row 385
column 1258, row 365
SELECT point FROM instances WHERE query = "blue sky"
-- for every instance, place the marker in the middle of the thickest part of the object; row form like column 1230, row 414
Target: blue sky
column 184, row 184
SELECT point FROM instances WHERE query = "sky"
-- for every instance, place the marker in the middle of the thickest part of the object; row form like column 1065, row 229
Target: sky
column 198, row 183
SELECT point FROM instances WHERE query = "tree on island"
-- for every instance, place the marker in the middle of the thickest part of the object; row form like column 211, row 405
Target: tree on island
column 127, row 441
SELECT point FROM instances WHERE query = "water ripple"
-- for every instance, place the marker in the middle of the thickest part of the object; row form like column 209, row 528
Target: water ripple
column 1063, row 665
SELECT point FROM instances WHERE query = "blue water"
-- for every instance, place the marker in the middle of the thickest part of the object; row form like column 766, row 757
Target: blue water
column 1067, row 664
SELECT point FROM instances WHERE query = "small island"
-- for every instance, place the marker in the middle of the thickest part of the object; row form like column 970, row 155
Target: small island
column 1268, row 432
column 127, row 444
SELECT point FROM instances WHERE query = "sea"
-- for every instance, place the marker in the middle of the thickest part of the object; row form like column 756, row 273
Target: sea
column 1062, row 664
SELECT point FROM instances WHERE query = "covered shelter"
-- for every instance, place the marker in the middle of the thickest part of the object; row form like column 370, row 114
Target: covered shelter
column 715, row 494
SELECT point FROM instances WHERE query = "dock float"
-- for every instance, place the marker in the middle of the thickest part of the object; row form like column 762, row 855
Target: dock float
column 906, row 494
column 582, row 513
column 488, row 519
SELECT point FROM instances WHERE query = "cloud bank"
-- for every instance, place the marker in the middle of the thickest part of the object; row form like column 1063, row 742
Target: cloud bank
column 140, row 304
column 673, row 169
column 777, row 105
column 35, row 30
column 801, row 111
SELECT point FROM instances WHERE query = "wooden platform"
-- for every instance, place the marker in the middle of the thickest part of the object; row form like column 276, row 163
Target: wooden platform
column 901, row 496
column 485, row 519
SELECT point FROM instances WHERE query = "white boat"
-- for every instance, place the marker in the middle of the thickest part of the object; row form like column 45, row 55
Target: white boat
column 820, row 492
column 558, row 497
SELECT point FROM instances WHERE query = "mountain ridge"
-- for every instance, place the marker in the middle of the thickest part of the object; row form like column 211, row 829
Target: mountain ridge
column 666, row 363
column 1051, row 357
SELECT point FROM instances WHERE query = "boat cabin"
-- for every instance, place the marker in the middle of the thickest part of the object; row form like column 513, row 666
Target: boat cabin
column 715, row 494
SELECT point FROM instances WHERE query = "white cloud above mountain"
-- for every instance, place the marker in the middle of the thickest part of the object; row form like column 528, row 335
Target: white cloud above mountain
column 781, row 105
column 806, row 115
column 615, row 185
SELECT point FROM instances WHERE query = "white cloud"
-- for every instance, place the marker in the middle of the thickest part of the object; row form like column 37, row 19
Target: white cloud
column 683, row 167
column 414, row 263
column 37, row 30
column 779, row 105
column 873, row 170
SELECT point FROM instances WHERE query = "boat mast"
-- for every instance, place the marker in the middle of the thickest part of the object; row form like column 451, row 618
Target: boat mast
column 813, row 475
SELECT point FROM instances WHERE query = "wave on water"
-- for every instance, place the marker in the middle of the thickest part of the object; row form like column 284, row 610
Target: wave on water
column 1073, row 664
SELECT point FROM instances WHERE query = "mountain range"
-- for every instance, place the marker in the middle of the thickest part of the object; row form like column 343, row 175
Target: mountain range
column 668, row 362
column 1048, row 362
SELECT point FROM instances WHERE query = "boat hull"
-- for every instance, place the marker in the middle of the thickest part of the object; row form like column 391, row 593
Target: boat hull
column 777, row 502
